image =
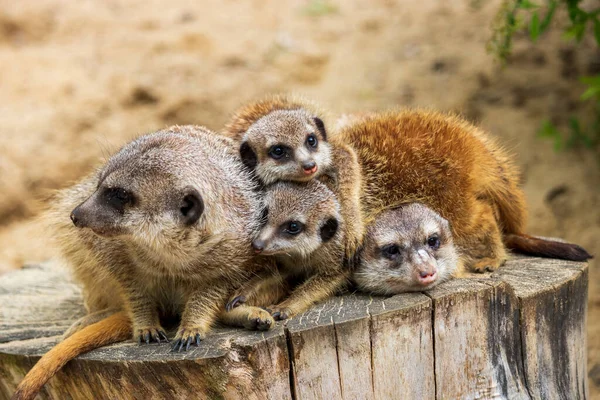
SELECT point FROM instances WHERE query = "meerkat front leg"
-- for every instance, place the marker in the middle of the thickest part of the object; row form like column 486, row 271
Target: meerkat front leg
column 266, row 288
column 143, row 312
column 201, row 310
column 483, row 250
column 316, row 288
column 249, row 317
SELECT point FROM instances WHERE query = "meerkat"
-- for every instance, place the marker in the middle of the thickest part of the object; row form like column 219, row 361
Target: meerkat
column 455, row 169
column 155, row 234
column 406, row 249
column 304, row 231
column 283, row 138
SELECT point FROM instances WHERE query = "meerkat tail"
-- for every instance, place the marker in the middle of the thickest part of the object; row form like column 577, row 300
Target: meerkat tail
column 113, row 329
column 546, row 248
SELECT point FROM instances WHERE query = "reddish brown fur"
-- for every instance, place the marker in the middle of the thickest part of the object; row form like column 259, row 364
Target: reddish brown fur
column 249, row 113
column 451, row 166
column 115, row 328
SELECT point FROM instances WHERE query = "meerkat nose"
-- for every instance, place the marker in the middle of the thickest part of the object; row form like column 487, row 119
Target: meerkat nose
column 75, row 217
column 258, row 245
column 309, row 167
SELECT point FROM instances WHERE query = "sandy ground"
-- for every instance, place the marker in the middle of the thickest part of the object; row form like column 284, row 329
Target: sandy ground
column 79, row 79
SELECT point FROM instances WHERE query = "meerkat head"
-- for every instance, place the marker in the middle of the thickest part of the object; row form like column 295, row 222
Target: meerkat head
column 406, row 249
column 297, row 219
column 160, row 193
column 286, row 145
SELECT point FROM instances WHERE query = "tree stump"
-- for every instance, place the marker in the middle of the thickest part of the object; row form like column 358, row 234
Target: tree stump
column 518, row 333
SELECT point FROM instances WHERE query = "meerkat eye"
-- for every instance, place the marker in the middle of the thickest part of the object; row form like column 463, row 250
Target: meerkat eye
column 433, row 241
column 390, row 251
column 118, row 198
column 276, row 152
column 312, row 141
column 293, row 227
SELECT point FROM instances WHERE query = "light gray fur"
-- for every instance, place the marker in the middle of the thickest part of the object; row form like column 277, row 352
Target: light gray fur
column 409, row 227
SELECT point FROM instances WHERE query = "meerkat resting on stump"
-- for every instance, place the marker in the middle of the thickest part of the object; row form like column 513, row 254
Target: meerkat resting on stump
column 284, row 139
column 406, row 249
column 303, row 230
column 157, row 233
column 457, row 171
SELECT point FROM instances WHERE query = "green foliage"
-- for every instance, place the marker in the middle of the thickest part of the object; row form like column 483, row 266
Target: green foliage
column 317, row 8
column 536, row 18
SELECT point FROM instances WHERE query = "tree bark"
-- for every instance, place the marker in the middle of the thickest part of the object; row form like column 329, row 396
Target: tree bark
column 518, row 333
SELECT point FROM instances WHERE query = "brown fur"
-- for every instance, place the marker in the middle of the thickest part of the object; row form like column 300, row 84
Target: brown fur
column 338, row 169
column 313, row 258
column 144, row 259
column 115, row 328
column 449, row 165
column 249, row 113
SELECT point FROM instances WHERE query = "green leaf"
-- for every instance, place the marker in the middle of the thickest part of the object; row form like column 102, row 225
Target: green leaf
column 590, row 92
column 549, row 15
column 527, row 5
column 534, row 27
column 597, row 30
column 549, row 131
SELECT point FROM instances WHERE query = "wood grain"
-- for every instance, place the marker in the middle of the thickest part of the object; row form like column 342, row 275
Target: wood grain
column 518, row 333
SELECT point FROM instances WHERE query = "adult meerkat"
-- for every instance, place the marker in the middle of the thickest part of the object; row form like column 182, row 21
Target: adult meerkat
column 154, row 234
column 283, row 138
column 455, row 169
column 304, row 231
column 409, row 248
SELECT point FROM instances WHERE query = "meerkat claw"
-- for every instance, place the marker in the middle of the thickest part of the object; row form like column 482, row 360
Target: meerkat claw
column 150, row 335
column 280, row 315
column 185, row 339
column 235, row 302
column 263, row 325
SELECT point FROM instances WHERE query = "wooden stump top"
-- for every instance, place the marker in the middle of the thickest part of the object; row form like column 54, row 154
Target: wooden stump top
column 516, row 333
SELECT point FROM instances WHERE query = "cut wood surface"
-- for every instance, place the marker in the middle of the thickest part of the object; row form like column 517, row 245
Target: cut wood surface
column 518, row 333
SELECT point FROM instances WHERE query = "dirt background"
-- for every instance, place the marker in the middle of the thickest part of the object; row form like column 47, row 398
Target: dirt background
column 80, row 78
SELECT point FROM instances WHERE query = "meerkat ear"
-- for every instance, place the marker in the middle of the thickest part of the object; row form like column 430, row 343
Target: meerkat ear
column 191, row 207
column 320, row 126
column 248, row 156
column 329, row 229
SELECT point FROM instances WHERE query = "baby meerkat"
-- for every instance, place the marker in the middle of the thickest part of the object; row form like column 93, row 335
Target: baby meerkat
column 156, row 233
column 303, row 230
column 281, row 139
column 406, row 249
column 455, row 169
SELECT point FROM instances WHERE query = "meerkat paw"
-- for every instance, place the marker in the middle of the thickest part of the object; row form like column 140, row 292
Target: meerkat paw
column 186, row 336
column 280, row 313
column 259, row 319
column 150, row 335
column 236, row 301
column 487, row 265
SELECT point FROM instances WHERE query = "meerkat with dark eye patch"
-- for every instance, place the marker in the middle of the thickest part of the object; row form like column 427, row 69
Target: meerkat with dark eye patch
column 304, row 231
column 455, row 169
column 156, row 234
column 409, row 248
column 284, row 138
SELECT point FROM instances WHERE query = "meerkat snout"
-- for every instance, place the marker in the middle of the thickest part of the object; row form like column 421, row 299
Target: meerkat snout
column 258, row 245
column 102, row 211
column 406, row 249
column 309, row 167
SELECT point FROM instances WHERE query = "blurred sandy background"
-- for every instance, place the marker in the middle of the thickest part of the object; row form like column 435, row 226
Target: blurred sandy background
column 78, row 79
